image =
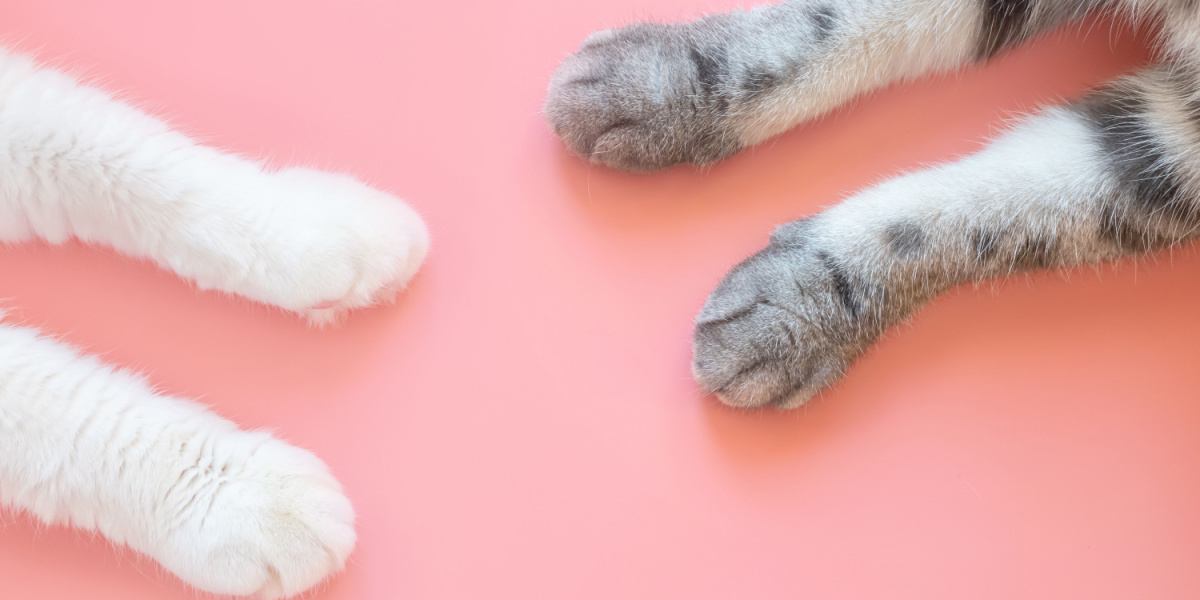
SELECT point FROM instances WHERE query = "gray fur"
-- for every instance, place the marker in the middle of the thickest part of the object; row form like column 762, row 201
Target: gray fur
column 905, row 239
column 651, row 96
column 824, row 20
column 794, row 234
column 984, row 243
column 783, row 324
column 1154, row 207
column 788, row 321
column 1004, row 23
column 680, row 88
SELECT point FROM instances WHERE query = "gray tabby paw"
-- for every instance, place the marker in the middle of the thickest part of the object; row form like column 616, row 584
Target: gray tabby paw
column 645, row 97
column 784, row 324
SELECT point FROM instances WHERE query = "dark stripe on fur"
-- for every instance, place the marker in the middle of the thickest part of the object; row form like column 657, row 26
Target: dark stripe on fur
column 711, row 67
column 1152, row 202
column 1117, row 229
column 758, row 83
column 841, row 284
column 1034, row 253
column 824, row 19
column 985, row 243
column 904, row 239
column 1005, row 23
column 1031, row 251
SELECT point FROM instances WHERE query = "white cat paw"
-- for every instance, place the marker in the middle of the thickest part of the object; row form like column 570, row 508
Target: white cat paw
column 321, row 244
column 270, row 527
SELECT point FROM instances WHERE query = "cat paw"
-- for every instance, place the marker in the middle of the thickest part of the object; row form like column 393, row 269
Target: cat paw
column 645, row 97
column 783, row 325
column 325, row 244
column 271, row 527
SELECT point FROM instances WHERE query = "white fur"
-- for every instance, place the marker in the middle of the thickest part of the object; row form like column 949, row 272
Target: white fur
column 228, row 511
column 76, row 164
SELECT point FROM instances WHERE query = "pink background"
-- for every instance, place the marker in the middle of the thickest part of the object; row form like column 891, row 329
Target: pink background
column 523, row 425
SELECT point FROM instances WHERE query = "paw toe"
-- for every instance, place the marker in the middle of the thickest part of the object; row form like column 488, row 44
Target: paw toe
column 630, row 99
column 775, row 331
column 276, row 529
column 361, row 246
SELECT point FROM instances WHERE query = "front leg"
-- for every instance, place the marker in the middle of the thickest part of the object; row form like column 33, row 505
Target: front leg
column 1113, row 175
column 228, row 511
column 649, row 96
column 77, row 164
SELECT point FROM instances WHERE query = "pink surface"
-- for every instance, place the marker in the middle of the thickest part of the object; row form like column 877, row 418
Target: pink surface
column 522, row 424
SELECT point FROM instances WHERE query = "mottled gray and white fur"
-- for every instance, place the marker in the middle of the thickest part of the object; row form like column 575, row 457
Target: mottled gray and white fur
column 1114, row 174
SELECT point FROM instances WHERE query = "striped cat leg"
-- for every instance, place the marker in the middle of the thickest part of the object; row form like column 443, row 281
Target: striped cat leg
column 649, row 96
column 1115, row 174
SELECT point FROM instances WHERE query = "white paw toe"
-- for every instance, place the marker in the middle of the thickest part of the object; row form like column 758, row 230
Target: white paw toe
column 331, row 244
column 272, row 527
